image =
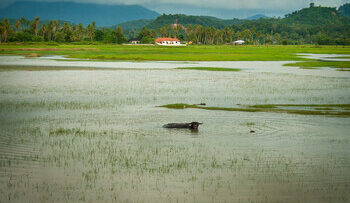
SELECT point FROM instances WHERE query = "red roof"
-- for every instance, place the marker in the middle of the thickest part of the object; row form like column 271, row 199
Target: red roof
column 166, row 39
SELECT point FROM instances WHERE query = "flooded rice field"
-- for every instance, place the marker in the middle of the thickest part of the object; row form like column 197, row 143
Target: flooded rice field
column 97, row 136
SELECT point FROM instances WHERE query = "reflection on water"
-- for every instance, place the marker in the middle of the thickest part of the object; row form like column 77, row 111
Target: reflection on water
column 73, row 136
column 327, row 57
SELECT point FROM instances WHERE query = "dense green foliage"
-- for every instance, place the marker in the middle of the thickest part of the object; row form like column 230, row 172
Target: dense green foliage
column 313, row 25
column 313, row 16
column 24, row 30
column 185, row 21
column 135, row 24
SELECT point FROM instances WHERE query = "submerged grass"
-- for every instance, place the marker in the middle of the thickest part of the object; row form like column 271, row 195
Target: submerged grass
column 209, row 69
column 314, row 64
column 317, row 108
column 160, row 53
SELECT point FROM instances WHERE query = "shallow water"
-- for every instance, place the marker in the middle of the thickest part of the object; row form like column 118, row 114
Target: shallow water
column 327, row 57
column 97, row 136
column 249, row 66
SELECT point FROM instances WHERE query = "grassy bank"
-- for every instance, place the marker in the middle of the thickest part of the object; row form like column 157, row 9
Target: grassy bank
column 160, row 53
column 342, row 65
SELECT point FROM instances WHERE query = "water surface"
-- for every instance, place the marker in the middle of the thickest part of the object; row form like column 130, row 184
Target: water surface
column 69, row 136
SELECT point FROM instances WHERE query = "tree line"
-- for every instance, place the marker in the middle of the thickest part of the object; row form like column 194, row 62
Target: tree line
column 25, row 30
column 262, row 31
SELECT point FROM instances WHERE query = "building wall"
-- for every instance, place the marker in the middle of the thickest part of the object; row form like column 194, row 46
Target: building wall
column 169, row 43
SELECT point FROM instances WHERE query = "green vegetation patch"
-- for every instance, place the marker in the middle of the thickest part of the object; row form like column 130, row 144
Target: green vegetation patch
column 314, row 109
column 300, row 105
column 209, row 69
column 315, row 64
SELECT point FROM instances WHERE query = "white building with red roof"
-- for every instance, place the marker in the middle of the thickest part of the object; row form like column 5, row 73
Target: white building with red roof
column 167, row 41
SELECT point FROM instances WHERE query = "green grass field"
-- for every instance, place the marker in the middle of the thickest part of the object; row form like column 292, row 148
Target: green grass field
column 159, row 53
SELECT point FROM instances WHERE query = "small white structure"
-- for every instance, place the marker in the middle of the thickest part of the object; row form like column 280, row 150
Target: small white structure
column 167, row 41
column 135, row 41
column 239, row 42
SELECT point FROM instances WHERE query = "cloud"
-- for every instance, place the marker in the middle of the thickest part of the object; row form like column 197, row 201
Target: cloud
column 247, row 4
column 270, row 5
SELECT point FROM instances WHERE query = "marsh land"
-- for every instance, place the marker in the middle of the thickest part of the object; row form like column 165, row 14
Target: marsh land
column 88, row 126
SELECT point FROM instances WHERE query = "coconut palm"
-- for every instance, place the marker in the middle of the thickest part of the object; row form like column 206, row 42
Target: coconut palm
column 80, row 32
column 50, row 30
column 1, row 30
column 91, row 30
column 56, row 27
column 17, row 25
column 43, row 31
column 36, row 25
column 23, row 22
column 164, row 31
column 6, row 29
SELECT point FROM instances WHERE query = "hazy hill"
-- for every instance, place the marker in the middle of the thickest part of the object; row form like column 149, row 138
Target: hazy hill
column 85, row 13
column 135, row 24
column 186, row 20
column 314, row 16
column 12, row 21
column 256, row 17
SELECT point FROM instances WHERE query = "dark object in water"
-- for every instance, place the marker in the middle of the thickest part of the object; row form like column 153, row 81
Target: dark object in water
column 252, row 131
column 193, row 125
column 201, row 104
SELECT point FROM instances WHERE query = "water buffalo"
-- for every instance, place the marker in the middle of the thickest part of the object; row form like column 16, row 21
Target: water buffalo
column 193, row 125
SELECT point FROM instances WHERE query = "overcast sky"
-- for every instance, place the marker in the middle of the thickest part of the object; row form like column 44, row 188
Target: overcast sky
column 219, row 8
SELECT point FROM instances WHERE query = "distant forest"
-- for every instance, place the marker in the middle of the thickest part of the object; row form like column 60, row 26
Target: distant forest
column 313, row 25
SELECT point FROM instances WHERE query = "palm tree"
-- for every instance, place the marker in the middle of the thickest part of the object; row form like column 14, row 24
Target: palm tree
column 67, row 30
column 23, row 22
column 17, row 25
column 91, row 30
column 36, row 25
column 228, row 35
column 164, row 31
column 80, row 32
column 176, row 28
column 120, row 36
column 1, row 30
column 56, row 27
column 43, row 31
column 277, row 37
column 50, row 30
column 6, row 29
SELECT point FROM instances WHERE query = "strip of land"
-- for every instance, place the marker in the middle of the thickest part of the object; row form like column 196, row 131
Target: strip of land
column 342, row 65
column 340, row 110
column 161, row 53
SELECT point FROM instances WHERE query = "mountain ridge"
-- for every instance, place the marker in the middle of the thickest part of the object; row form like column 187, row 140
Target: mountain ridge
column 85, row 13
